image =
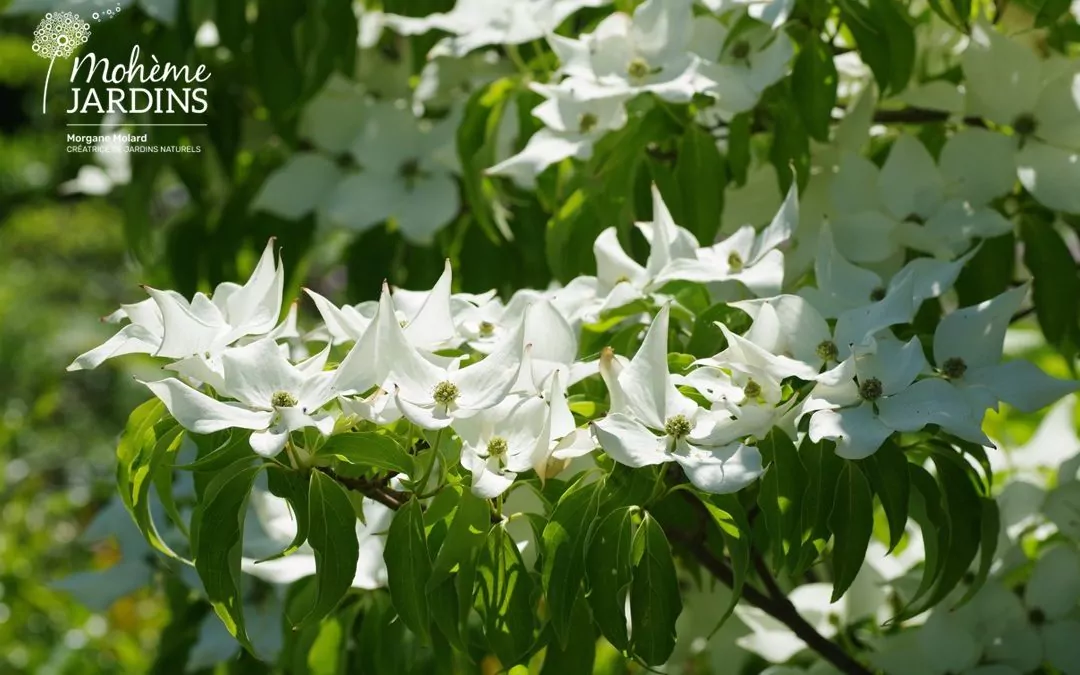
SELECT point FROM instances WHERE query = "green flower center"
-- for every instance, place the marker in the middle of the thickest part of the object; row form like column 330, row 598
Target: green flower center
column 638, row 68
column 954, row 368
column 735, row 262
column 487, row 329
column 445, row 393
column 678, row 426
column 1025, row 125
column 410, row 169
column 283, row 399
column 827, row 351
column 870, row 390
column 1037, row 617
column 877, row 295
column 740, row 50
column 752, row 390
column 497, row 446
column 587, row 122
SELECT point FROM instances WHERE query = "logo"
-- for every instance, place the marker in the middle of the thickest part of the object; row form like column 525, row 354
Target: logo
column 122, row 87
column 57, row 36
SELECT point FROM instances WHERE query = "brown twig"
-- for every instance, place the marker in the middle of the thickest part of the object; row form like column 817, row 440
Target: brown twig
column 375, row 489
column 775, row 604
column 779, row 608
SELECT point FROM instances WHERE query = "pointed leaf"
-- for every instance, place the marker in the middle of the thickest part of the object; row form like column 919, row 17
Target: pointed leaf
column 408, row 567
column 852, row 523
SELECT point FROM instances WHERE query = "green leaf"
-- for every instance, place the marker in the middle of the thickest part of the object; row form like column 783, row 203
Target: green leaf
column 332, row 535
column 235, row 447
column 368, row 448
column 138, row 436
column 408, row 567
column 563, row 553
column 466, row 536
column 989, row 534
column 791, row 142
column 380, row 640
column 738, row 151
column 292, row 486
column 505, row 598
column 730, row 516
column 443, row 604
column 888, row 474
column 161, row 442
column 706, row 339
column 926, row 510
column 278, row 77
column 476, row 145
column 579, row 655
column 989, row 272
column 964, row 510
column 813, row 83
column 823, row 468
column 852, row 523
column 655, row 602
column 780, row 497
column 886, row 40
column 217, row 540
column 1056, row 285
column 609, row 566
column 700, row 176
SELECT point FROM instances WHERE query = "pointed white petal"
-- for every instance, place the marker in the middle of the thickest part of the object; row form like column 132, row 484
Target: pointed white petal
column 1054, row 586
column 857, row 431
column 201, row 414
column 1021, row 384
column 131, row 339
column 720, row 470
column 644, row 381
column 1003, row 75
column 932, row 401
column 910, row 183
column 977, row 334
column 432, row 327
column 978, row 165
column 269, row 442
column 855, row 326
column 1051, row 174
column 628, row 442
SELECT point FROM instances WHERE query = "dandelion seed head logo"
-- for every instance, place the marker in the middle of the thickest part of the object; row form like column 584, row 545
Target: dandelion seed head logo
column 57, row 36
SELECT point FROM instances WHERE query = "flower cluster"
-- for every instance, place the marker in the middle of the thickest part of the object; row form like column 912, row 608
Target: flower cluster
column 839, row 355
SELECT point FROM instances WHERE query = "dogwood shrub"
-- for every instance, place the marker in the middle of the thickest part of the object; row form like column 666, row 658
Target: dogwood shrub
column 779, row 382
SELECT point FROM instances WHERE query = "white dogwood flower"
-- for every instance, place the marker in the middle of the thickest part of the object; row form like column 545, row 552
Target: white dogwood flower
column 913, row 203
column 408, row 175
column 479, row 23
column 968, row 345
column 428, row 394
column 883, row 398
column 1007, row 83
column 170, row 326
column 572, row 125
column 735, row 70
column 499, row 443
column 271, row 396
column 841, row 285
column 628, row 55
column 651, row 422
column 429, row 327
column 748, row 257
